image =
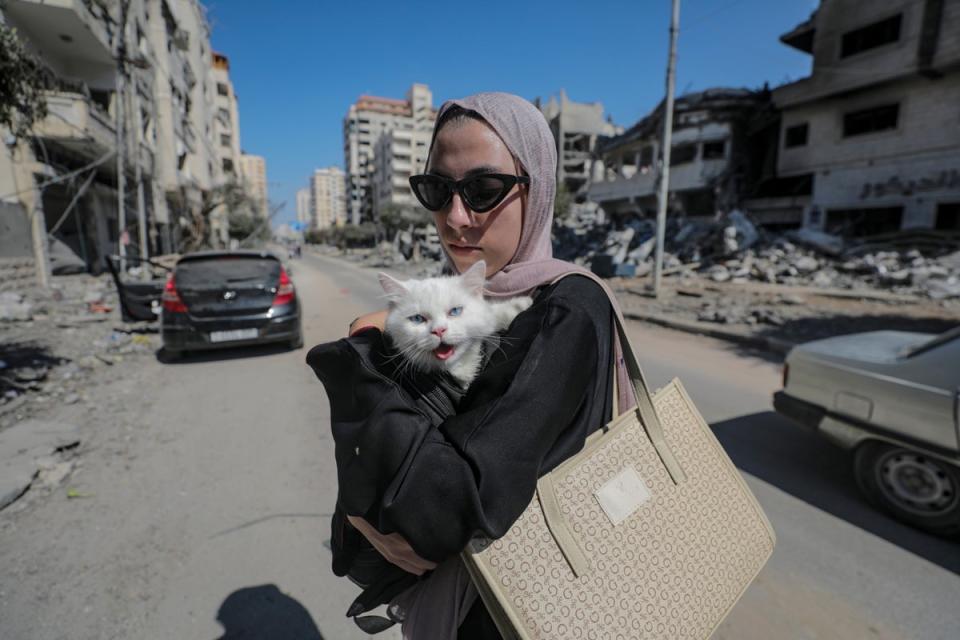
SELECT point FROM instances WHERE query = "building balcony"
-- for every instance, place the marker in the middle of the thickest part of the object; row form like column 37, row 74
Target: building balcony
column 77, row 122
column 63, row 29
column 684, row 177
column 637, row 186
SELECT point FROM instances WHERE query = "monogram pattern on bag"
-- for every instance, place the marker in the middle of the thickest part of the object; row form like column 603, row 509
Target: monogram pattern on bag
column 672, row 569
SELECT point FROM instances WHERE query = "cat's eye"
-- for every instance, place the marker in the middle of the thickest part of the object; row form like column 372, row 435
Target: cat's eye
column 417, row 319
column 454, row 312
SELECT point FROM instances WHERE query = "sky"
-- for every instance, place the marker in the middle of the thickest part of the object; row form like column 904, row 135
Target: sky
column 297, row 65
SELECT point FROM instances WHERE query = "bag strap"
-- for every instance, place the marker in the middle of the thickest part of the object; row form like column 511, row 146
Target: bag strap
column 641, row 391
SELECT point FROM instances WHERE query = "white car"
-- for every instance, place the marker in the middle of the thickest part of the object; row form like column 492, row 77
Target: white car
column 892, row 397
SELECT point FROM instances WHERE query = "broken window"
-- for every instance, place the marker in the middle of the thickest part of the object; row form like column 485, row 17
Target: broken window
column 714, row 150
column 796, row 136
column 948, row 216
column 683, row 154
column 871, row 36
column 227, row 165
column 223, row 89
column 224, row 140
column 646, row 158
column 863, row 222
column 880, row 118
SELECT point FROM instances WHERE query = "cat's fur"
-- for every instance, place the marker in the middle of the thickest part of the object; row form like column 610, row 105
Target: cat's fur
column 459, row 350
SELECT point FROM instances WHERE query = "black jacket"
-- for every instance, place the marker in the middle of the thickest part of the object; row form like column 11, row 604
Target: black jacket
column 540, row 394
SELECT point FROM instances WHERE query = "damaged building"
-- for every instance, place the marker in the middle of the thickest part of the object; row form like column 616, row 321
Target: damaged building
column 873, row 129
column 709, row 167
column 62, row 204
column 577, row 128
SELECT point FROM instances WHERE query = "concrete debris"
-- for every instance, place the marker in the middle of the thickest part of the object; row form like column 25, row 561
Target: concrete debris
column 26, row 449
column 733, row 249
column 55, row 355
column 13, row 308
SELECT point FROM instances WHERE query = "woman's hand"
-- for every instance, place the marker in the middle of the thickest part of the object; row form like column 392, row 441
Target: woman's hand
column 393, row 547
column 375, row 319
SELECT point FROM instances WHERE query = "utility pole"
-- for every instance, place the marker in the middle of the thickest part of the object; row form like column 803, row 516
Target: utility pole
column 667, row 136
column 120, row 109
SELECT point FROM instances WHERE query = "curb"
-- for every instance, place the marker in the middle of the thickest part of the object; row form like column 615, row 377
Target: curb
column 775, row 345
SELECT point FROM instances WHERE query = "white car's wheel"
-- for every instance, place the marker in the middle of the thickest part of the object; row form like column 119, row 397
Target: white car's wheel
column 916, row 488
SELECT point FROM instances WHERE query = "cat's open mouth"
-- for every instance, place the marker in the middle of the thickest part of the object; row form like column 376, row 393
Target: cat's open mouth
column 444, row 351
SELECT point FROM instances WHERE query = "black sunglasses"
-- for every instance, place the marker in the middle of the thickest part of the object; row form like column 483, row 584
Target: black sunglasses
column 481, row 192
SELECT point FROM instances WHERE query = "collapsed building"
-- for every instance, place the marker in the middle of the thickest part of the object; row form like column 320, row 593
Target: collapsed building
column 709, row 162
column 577, row 127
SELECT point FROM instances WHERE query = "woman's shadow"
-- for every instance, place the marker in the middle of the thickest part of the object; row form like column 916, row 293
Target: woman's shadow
column 264, row 612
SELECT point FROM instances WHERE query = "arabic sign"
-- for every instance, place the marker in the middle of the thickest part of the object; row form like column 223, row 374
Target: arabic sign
column 946, row 179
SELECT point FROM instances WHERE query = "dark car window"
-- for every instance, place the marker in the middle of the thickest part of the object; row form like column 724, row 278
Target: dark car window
column 940, row 340
column 223, row 270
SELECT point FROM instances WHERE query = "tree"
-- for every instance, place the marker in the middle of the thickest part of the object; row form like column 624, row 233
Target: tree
column 242, row 221
column 22, row 83
column 395, row 218
column 562, row 203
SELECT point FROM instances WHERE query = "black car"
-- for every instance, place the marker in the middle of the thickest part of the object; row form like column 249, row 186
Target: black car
column 217, row 299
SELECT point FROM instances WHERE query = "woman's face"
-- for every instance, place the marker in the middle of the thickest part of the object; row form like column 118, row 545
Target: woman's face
column 469, row 147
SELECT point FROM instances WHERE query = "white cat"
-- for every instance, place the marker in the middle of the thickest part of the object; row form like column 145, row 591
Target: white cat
column 440, row 324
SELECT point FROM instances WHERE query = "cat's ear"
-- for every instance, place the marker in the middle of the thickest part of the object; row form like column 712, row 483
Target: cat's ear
column 474, row 277
column 392, row 287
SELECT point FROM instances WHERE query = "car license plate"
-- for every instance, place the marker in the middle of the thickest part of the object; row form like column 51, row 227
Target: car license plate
column 235, row 334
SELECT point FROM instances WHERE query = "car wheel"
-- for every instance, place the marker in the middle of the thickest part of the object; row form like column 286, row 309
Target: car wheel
column 915, row 488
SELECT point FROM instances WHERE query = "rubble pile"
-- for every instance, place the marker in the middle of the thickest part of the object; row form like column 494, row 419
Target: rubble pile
column 53, row 342
column 734, row 249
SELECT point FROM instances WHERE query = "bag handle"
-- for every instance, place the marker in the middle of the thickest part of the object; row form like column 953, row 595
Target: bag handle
column 641, row 391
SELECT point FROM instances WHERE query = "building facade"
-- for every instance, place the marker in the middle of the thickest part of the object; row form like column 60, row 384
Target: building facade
column 398, row 154
column 328, row 204
column 254, row 171
column 150, row 121
column 708, row 170
column 577, row 127
column 304, row 216
column 366, row 121
column 874, row 128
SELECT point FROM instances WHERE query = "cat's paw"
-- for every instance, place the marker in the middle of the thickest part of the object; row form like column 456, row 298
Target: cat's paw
column 520, row 303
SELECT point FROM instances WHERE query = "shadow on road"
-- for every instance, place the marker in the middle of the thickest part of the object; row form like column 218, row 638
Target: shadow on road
column 265, row 613
column 771, row 448
column 216, row 355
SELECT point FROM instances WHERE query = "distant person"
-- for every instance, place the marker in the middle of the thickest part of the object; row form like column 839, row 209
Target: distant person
column 490, row 183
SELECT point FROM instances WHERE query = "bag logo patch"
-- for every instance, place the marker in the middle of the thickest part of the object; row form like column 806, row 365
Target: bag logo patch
column 622, row 495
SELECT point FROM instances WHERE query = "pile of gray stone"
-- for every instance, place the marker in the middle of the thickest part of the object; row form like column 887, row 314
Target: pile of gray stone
column 734, row 249
column 53, row 341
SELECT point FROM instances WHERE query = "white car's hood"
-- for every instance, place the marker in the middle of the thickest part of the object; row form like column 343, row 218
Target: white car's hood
column 881, row 347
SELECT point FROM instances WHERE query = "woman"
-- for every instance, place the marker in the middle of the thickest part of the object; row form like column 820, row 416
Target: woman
column 490, row 183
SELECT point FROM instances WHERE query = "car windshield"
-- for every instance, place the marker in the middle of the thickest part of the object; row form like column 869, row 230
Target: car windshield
column 923, row 347
column 221, row 270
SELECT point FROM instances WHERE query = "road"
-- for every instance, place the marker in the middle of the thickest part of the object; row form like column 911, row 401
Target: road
column 210, row 484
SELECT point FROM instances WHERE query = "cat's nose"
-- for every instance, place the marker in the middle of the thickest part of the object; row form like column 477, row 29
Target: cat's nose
column 439, row 331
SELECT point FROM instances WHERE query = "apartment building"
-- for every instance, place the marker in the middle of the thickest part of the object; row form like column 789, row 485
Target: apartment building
column 304, row 215
column 254, row 171
column 328, row 204
column 398, row 154
column 874, row 128
column 577, row 127
column 64, row 181
column 707, row 167
column 226, row 119
column 366, row 121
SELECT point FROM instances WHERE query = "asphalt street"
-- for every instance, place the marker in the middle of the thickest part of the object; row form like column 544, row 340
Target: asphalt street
column 210, row 501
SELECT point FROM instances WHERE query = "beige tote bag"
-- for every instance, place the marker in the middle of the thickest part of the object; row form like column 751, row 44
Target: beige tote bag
column 648, row 532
